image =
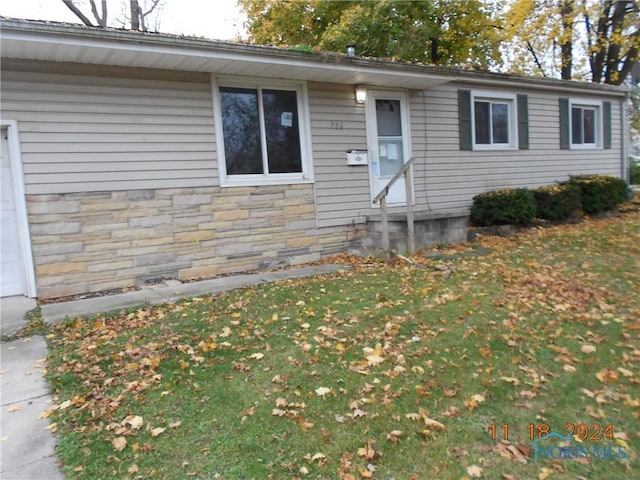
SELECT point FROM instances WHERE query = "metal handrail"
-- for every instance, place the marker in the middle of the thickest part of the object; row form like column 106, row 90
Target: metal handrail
column 382, row 198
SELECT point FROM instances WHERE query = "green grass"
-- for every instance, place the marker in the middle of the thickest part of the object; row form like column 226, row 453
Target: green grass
column 377, row 372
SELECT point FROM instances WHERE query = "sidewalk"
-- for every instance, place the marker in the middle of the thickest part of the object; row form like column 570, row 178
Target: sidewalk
column 27, row 447
column 162, row 294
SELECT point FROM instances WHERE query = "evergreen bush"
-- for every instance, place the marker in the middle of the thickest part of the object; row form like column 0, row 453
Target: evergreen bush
column 557, row 202
column 599, row 193
column 503, row 207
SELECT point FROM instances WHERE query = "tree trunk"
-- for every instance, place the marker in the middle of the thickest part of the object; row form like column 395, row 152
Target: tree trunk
column 566, row 43
column 597, row 66
column 135, row 15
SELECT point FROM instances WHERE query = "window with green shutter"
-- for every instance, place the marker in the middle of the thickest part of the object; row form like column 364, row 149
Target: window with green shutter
column 491, row 120
column 464, row 122
column 584, row 124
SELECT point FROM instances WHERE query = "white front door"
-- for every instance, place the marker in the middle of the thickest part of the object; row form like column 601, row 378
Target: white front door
column 388, row 142
column 11, row 271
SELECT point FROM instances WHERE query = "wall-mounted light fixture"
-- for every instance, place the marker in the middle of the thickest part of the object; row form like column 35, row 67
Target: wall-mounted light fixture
column 361, row 94
column 351, row 50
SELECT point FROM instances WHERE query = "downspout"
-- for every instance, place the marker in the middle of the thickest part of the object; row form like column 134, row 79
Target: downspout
column 624, row 160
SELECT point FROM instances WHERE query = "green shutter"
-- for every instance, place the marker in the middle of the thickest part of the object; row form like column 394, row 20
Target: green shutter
column 523, row 122
column 606, row 124
column 565, row 133
column 464, row 119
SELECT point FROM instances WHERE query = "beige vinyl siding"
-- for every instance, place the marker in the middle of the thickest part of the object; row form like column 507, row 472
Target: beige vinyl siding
column 448, row 178
column 445, row 178
column 82, row 133
column 342, row 191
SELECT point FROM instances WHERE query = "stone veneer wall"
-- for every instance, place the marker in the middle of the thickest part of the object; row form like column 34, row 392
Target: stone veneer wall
column 90, row 242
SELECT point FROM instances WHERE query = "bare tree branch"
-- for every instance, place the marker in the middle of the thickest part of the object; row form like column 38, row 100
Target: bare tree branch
column 535, row 58
column 102, row 20
column 78, row 13
column 155, row 3
column 143, row 16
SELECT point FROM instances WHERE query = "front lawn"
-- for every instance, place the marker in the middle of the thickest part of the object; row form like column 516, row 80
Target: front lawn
column 457, row 367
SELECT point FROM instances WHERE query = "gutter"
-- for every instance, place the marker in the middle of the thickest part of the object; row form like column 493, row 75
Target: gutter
column 58, row 34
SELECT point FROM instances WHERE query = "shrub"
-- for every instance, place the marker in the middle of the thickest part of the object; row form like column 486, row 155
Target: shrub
column 503, row 207
column 557, row 202
column 635, row 171
column 600, row 192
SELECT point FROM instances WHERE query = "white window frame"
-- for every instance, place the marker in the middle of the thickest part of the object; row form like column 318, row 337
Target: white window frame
column 595, row 105
column 497, row 97
column 302, row 96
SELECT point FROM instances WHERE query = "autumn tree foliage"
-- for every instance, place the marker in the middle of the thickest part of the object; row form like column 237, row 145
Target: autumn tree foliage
column 594, row 40
column 136, row 17
column 439, row 32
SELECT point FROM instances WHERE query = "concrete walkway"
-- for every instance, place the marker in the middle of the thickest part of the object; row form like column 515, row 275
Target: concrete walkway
column 27, row 446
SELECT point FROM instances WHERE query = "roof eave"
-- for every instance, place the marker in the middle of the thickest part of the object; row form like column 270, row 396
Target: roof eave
column 47, row 41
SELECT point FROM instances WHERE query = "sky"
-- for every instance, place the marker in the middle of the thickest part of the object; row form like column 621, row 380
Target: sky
column 215, row 19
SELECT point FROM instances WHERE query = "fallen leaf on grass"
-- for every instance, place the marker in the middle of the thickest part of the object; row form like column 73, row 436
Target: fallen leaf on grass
column 433, row 424
column 512, row 452
column 358, row 413
column 303, row 424
column 368, row 452
column 545, row 473
column 316, row 457
column 512, row 380
column 134, row 421
column 474, row 471
column 374, row 360
column 607, row 375
column 63, row 405
column 625, row 372
column 322, row 391
column 595, row 413
column 449, row 393
column 527, row 394
column 394, row 436
column 366, row 472
column 473, row 402
column 119, row 443
column 587, row 348
column 157, row 431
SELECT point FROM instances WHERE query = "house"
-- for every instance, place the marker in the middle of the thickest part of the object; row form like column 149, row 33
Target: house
column 132, row 157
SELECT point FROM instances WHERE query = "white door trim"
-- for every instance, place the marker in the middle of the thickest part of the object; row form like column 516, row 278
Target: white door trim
column 372, row 134
column 24, row 239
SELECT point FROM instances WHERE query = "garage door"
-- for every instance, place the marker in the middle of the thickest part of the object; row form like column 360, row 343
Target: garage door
column 12, row 281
